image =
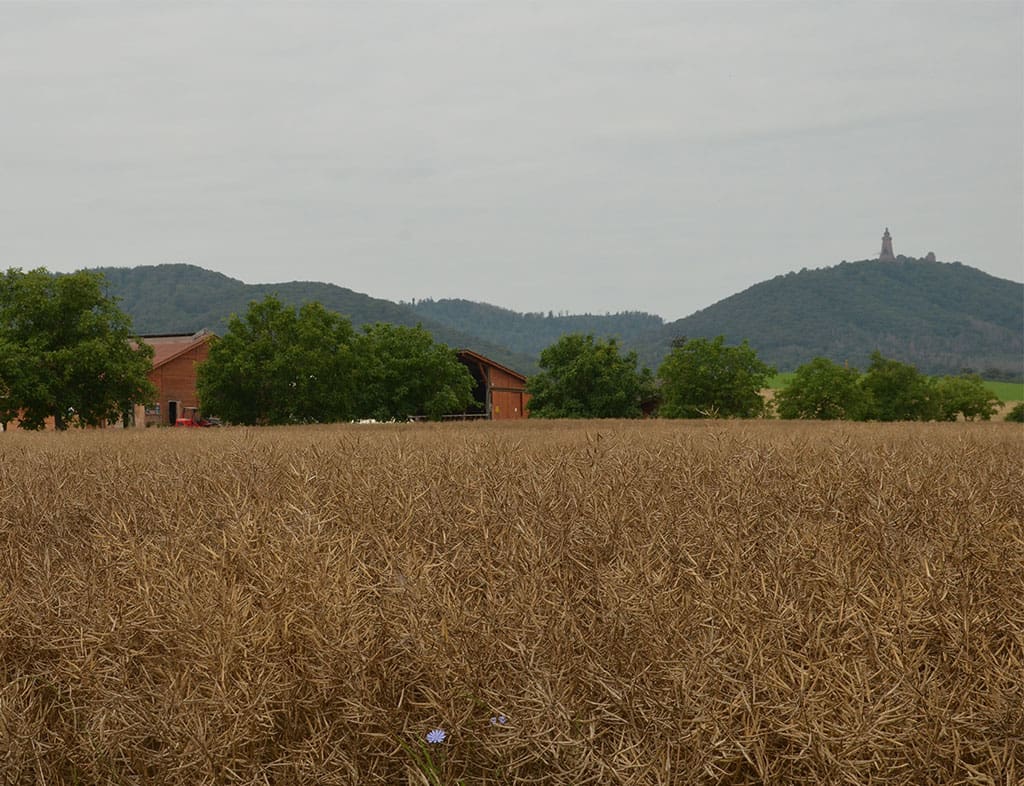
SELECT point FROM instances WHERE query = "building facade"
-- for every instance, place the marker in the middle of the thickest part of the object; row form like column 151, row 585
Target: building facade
column 175, row 358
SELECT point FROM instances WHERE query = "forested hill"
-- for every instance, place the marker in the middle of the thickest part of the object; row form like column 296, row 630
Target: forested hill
column 531, row 333
column 182, row 298
column 941, row 317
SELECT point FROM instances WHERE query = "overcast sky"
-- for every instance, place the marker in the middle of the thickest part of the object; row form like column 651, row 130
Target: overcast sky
column 583, row 156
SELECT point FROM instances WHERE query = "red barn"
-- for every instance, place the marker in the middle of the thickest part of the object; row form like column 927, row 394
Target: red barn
column 175, row 358
column 500, row 391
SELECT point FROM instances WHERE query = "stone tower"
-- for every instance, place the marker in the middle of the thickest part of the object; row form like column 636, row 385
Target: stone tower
column 887, row 255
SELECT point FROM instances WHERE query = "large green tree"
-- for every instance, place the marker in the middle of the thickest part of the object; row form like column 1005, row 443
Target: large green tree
column 277, row 364
column 897, row 391
column 964, row 395
column 66, row 352
column 403, row 372
column 584, row 377
column 702, row 378
column 822, row 390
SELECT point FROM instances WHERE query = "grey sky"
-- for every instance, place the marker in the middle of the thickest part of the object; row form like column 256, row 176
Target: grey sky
column 585, row 156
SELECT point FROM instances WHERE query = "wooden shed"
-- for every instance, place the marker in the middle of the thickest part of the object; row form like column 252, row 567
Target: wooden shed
column 175, row 357
column 500, row 392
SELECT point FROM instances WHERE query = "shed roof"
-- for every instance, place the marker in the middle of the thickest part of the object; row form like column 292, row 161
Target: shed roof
column 468, row 353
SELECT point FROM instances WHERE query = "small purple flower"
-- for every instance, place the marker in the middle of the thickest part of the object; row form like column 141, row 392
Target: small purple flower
column 498, row 719
column 436, row 736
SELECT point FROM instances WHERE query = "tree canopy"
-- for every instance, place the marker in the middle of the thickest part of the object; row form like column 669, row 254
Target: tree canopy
column 822, row 390
column 966, row 396
column 702, row 378
column 896, row 391
column 278, row 364
column 584, row 377
column 66, row 352
column 403, row 372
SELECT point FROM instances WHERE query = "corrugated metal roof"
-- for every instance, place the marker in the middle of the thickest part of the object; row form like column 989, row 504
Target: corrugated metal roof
column 168, row 347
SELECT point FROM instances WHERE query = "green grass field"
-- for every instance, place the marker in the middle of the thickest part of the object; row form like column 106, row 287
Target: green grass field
column 1007, row 391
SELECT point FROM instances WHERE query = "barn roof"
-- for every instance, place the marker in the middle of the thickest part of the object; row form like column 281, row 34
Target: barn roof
column 468, row 353
column 168, row 346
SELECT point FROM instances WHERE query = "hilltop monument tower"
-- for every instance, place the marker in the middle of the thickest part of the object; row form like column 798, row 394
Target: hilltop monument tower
column 887, row 255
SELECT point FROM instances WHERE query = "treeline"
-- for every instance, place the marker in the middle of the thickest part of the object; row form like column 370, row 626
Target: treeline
column 888, row 391
column 584, row 377
column 279, row 365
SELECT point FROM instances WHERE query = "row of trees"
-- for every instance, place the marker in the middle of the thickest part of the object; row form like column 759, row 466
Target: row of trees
column 277, row 364
column 586, row 378
column 888, row 391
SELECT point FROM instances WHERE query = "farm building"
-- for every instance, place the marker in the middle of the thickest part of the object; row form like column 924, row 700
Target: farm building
column 174, row 375
column 500, row 392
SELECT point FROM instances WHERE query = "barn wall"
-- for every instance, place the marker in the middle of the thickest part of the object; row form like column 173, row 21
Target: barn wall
column 508, row 404
column 175, row 380
column 502, row 379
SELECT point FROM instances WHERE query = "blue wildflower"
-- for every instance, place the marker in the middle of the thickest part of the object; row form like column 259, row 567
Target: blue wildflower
column 436, row 736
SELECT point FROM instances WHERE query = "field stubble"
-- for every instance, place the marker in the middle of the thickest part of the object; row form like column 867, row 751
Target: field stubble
column 645, row 602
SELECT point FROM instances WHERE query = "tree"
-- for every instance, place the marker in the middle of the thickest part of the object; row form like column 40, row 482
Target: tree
column 702, row 378
column 66, row 352
column 403, row 372
column 586, row 378
column 280, row 365
column 896, row 391
column 821, row 390
column 1016, row 415
column 964, row 395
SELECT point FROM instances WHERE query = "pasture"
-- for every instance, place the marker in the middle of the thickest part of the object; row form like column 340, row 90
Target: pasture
column 572, row 603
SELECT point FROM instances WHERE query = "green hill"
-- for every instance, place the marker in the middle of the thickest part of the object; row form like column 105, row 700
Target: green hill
column 184, row 298
column 941, row 317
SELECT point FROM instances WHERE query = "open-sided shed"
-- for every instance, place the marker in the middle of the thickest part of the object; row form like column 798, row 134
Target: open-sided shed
column 500, row 391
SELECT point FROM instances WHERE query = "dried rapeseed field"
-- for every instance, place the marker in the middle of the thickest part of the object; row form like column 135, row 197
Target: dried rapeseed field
column 590, row 603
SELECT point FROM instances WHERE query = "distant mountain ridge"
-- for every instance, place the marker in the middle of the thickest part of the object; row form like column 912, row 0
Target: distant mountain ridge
column 530, row 333
column 180, row 298
column 942, row 317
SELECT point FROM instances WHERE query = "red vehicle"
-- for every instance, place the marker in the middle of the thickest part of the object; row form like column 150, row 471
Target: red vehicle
column 193, row 420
